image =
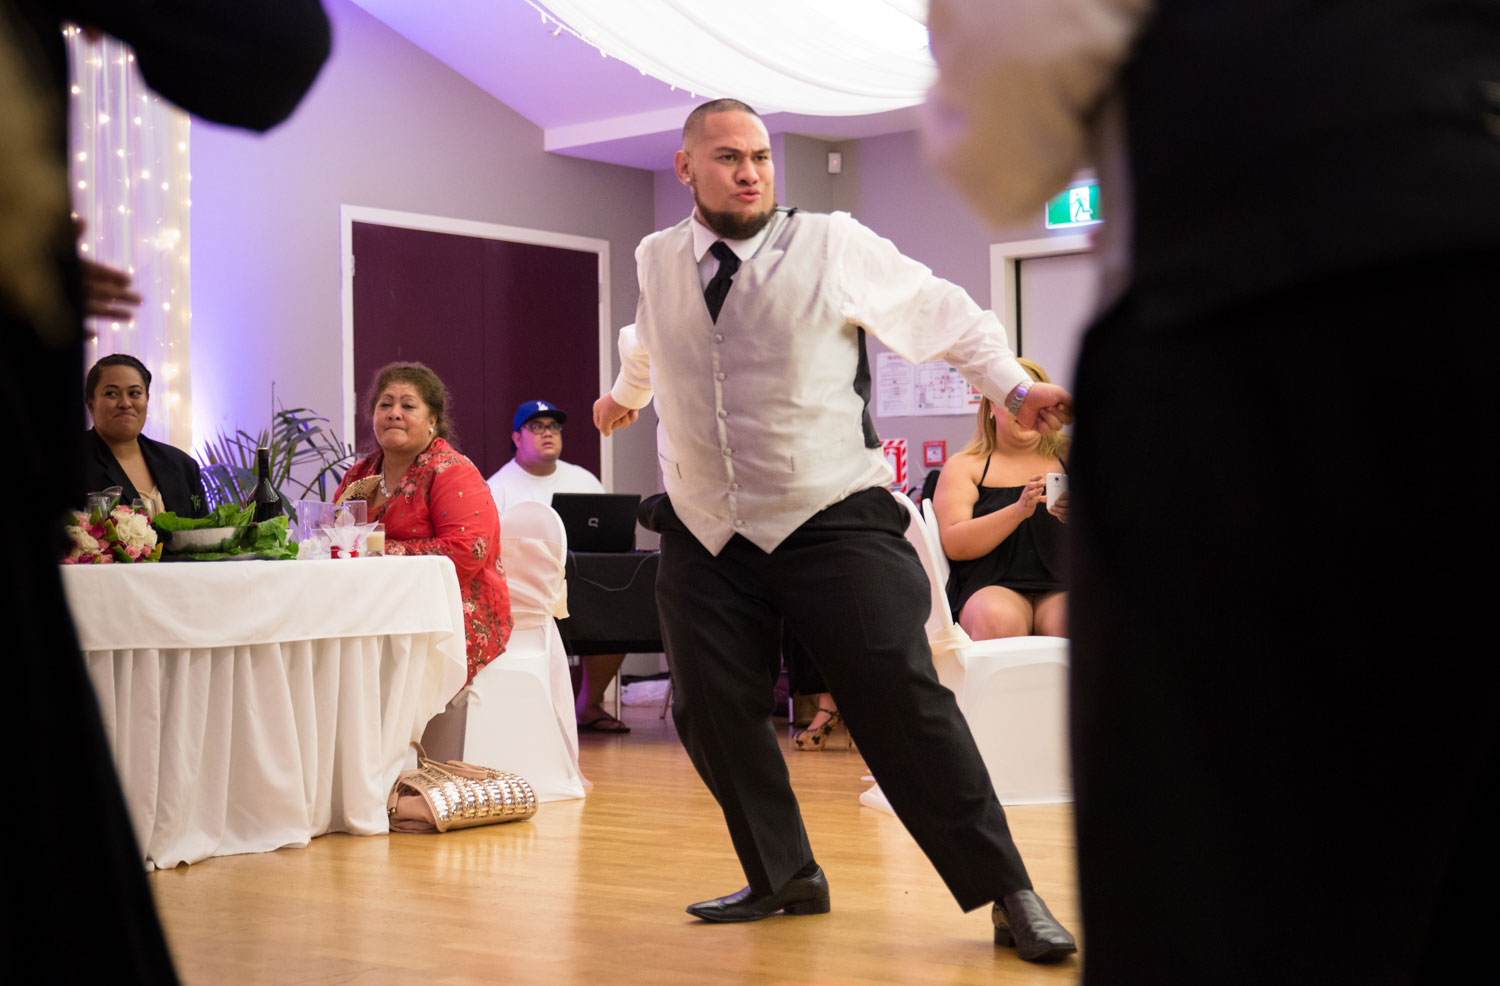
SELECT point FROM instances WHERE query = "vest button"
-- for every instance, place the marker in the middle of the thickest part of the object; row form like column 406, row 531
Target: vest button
column 718, row 376
column 718, row 337
column 723, row 414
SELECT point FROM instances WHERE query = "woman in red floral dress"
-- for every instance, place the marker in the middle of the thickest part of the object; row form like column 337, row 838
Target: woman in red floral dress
column 432, row 500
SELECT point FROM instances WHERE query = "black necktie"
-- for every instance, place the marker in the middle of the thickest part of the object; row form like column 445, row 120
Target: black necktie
column 718, row 288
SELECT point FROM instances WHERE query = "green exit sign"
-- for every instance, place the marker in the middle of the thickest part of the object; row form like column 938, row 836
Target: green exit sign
column 1078, row 206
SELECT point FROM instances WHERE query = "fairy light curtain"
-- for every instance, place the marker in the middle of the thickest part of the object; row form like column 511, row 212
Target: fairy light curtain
column 818, row 57
column 129, row 170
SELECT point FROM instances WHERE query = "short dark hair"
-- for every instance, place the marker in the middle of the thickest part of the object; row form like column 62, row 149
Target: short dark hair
column 694, row 122
column 429, row 385
column 91, row 382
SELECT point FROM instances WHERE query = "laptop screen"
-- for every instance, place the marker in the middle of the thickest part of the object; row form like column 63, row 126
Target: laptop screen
column 598, row 521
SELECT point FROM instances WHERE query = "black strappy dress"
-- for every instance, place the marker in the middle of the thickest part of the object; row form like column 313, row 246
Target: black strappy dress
column 1030, row 560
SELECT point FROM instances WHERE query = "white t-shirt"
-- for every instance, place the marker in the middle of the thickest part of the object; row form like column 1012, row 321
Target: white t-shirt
column 513, row 484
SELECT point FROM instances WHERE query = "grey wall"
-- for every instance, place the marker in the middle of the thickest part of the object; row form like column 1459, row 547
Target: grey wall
column 386, row 126
column 673, row 201
column 802, row 170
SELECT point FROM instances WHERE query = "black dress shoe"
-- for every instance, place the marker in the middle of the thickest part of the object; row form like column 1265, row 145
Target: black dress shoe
column 1022, row 920
column 801, row 895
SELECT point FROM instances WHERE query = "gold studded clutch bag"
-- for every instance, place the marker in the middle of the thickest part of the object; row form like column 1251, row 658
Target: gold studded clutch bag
column 438, row 796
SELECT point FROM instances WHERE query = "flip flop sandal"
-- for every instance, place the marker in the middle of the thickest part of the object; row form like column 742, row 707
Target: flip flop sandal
column 603, row 724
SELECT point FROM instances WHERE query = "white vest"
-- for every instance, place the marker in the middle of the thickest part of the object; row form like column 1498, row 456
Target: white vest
column 759, row 425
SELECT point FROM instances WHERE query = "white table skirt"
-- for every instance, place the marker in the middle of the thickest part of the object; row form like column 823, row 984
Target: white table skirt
column 255, row 705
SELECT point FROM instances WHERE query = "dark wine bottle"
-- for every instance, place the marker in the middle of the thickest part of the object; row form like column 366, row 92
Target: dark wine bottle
column 267, row 502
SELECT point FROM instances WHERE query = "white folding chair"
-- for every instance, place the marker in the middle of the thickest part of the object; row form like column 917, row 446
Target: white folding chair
column 517, row 713
column 935, row 540
column 1012, row 691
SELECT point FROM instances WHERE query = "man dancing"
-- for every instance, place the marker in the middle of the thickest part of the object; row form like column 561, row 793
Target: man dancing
column 750, row 336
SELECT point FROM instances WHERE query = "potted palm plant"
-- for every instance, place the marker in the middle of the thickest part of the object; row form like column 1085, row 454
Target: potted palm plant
column 306, row 456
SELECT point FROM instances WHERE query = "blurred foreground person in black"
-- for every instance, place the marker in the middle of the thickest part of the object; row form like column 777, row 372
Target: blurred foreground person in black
column 1284, row 721
column 76, row 892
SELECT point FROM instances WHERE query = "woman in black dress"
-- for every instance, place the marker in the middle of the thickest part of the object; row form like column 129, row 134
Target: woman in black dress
column 1002, row 539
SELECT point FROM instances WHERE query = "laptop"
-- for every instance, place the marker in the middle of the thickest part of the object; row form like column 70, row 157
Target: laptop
column 598, row 522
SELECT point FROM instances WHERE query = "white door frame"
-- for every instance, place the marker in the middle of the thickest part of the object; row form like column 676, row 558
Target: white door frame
column 1005, row 285
column 351, row 214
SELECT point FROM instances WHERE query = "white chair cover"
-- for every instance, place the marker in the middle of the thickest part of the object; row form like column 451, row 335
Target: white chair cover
column 517, row 713
column 1013, row 691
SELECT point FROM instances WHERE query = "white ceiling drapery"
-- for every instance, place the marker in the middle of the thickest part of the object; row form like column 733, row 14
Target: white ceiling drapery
column 816, row 57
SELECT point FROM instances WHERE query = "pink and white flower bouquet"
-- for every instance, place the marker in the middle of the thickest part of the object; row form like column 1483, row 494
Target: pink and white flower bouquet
column 124, row 536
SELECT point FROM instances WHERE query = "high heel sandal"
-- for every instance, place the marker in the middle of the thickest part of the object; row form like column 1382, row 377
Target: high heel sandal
column 812, row 740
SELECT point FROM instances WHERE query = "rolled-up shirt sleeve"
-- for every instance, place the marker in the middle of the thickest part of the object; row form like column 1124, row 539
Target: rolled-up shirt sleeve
column 633, row 383
column 1011, row 117
column 917, row 314
column 632, row 387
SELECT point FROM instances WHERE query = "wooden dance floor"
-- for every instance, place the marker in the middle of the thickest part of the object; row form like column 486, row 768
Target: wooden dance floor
column 592, row 892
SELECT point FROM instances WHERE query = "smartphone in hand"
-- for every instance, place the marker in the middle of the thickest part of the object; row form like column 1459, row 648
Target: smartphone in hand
column 1057, row 485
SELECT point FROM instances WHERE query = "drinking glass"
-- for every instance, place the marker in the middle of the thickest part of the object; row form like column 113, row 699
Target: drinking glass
column 350, row 512
column 99, row 505
column 311, row 515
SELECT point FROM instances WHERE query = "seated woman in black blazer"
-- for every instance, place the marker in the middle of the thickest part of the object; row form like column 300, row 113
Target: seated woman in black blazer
column 164, row 478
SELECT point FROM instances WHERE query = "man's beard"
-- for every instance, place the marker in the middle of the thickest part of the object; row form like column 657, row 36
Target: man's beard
column 732, row 226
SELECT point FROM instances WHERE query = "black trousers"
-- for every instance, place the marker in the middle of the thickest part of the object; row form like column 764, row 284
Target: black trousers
column 851, row 589
column 1284, row 699
column 802, row 675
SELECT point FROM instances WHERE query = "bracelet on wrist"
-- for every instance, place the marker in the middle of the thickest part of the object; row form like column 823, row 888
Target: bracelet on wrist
column 1017, row 397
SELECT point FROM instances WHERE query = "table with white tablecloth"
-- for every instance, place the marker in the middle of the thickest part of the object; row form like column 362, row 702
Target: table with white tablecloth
column 253, row 705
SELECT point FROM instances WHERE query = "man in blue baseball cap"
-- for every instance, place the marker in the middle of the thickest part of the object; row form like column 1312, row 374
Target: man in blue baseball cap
column 535, row 473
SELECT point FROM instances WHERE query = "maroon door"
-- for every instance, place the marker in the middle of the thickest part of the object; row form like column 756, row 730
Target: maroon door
column 501, row 322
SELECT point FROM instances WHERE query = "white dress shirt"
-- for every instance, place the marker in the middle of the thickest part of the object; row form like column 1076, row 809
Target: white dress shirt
column 759, row 424
column 708, row 264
